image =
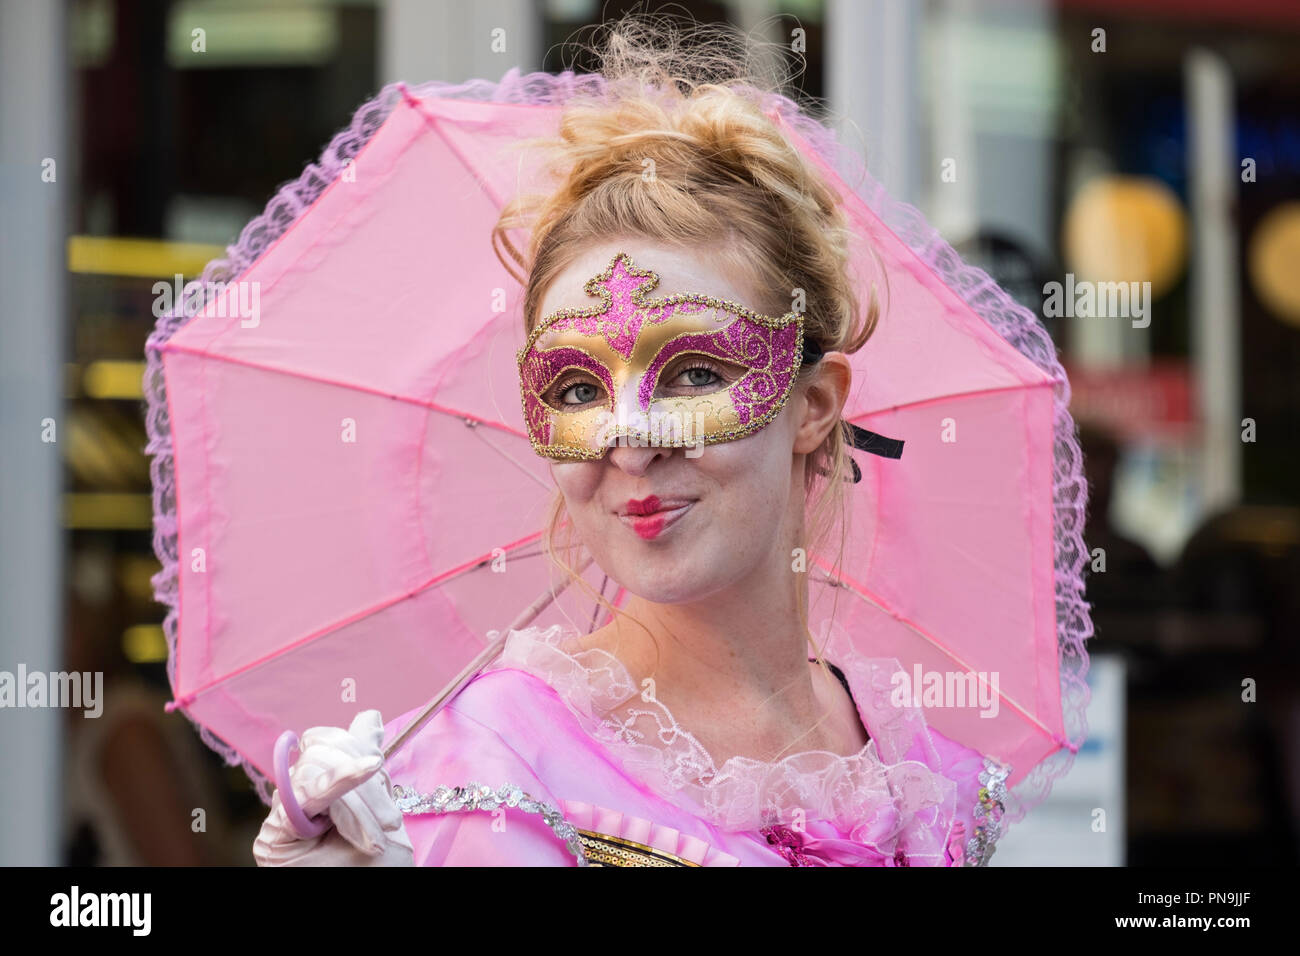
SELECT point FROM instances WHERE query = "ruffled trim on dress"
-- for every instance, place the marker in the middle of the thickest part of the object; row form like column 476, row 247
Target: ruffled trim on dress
column 883, row 798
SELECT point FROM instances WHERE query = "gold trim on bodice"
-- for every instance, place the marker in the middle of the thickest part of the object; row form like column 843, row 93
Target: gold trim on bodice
column 605, row 850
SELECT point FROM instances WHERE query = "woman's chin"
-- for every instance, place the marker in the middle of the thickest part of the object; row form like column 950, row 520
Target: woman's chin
column 668, row 581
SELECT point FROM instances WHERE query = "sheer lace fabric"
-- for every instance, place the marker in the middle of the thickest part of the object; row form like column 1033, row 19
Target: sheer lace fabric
column 891, row 789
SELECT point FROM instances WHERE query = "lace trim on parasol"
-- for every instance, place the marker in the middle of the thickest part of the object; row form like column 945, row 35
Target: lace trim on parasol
column 289, row 203
column 880, row 797
column 1023, row 330
column 478, row 796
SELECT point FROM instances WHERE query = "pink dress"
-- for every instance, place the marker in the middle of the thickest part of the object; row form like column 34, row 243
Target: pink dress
column 527, row 766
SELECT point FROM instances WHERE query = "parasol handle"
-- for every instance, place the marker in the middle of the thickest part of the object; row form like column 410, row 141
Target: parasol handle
column 309, row 827
column 306, row 827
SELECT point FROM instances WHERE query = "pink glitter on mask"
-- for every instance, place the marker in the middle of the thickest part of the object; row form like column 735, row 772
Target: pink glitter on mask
column 612, row 346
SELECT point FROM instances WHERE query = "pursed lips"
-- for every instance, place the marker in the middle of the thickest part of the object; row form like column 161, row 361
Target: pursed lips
column 651, row 516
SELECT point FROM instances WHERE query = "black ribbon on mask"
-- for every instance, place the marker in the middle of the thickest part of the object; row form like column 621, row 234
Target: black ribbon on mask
column 861, row 438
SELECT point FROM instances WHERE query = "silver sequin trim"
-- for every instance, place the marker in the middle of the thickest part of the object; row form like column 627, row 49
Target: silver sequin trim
column 988, row 813
column 478, row 796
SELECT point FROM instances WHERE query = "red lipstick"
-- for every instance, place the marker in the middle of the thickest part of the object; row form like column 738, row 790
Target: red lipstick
column 650, row 517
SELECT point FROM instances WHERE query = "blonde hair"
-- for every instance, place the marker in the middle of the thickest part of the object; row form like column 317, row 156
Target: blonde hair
column 686, row 104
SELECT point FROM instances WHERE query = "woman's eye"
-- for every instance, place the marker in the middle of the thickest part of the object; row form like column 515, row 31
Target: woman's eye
column 700, row 375
column 573, row 392
column 580, row 392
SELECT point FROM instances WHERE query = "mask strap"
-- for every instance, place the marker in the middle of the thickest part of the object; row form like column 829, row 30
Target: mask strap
column 876, row 444
column 868, row 441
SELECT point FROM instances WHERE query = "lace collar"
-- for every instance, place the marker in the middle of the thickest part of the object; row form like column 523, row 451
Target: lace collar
column 877, row 795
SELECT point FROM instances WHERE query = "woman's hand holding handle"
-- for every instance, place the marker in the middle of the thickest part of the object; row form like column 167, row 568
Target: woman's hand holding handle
column 339, row 772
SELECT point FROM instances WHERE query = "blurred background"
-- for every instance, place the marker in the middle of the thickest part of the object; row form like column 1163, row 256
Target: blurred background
column 1104, row 140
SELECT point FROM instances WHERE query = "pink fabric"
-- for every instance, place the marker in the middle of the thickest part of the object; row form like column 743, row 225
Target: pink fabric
column 510, row 726
column 288, row 553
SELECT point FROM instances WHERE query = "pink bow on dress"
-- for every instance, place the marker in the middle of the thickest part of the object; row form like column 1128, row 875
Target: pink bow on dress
column 804, row 850
column 800, row 849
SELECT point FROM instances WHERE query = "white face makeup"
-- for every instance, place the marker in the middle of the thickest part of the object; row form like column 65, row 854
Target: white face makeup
column 669, row 526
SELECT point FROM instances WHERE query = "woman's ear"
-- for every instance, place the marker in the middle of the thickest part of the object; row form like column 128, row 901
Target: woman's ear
column 823, row 401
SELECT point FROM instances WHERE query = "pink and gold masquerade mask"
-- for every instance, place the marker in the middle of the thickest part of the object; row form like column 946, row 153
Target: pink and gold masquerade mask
column 619, row 354
column 615, row 370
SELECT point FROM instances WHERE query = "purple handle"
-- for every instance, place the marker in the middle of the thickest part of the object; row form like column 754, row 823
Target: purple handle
column 306, row 827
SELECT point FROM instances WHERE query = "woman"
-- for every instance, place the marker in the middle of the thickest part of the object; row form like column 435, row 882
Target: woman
column 692, row 416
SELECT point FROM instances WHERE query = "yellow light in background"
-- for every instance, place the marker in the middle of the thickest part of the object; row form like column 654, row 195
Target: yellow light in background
column 1273, row 529
column 103, row 448
column 114, row 380
column 1126, row 229
column 1273, row 261
column 135, row 575
column 107, row 510
column 144, row 644
column 147, row 258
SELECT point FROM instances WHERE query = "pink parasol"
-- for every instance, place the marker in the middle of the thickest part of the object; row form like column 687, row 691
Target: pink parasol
column 348, row 511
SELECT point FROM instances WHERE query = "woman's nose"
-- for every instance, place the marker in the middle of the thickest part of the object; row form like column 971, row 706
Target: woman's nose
column 633, row 439
column 633, row 460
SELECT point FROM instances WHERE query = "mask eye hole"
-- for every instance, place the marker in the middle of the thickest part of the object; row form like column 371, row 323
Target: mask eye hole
column 574, row 390
column 696, row 374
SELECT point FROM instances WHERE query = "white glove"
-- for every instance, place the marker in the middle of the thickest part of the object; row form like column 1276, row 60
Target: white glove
column 342, row 771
